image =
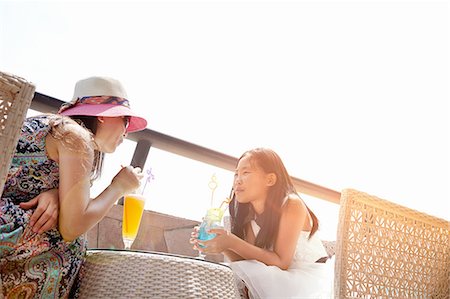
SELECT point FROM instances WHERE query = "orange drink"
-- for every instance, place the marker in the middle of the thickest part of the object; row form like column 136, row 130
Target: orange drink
column 133, row 207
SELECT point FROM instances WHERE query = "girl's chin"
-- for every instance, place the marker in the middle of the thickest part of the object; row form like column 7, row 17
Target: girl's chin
column 241, row 200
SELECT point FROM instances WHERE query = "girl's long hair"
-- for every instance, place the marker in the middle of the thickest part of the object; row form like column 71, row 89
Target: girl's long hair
column 242, row 213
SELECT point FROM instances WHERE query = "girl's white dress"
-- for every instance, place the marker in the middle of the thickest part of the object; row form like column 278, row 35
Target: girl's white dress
column 304, row 279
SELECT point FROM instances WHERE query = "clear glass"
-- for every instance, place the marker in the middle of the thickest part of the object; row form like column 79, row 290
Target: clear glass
column 133, row 207
column 212, row 219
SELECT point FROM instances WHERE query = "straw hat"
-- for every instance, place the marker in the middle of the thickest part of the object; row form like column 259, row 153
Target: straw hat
column 102, row 96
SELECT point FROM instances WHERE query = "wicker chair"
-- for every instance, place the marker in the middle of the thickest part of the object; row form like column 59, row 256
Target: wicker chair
column 135, row 274
column 385, row 250
column 15, row 99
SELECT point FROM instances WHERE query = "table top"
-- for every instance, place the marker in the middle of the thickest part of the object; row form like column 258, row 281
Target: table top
column 118, row 273
column 156, row 253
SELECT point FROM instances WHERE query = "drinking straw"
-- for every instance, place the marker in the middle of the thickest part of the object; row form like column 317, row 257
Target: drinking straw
column 150, row 177
column 212, row 185
column 125, row 222
column 227, row 200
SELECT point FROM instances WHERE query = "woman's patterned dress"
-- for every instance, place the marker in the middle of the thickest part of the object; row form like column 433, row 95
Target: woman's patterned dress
column 34, row 265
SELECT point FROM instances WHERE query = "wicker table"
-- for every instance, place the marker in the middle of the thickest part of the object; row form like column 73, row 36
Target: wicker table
column 142, row 274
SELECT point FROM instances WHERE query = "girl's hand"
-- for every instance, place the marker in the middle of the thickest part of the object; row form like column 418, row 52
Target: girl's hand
column 220, row 243
column 194, row 235
column 128, row 179
column 45, row 217
column 194, row 238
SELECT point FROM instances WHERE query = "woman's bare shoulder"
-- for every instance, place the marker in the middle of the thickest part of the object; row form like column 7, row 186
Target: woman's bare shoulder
column 71, row 138
column 71, row 135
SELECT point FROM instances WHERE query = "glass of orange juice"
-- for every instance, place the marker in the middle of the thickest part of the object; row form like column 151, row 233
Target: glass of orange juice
column 133, row 208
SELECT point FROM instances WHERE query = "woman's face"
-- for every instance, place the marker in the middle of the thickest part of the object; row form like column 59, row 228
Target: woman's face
column 251, row 183
column 110, row 132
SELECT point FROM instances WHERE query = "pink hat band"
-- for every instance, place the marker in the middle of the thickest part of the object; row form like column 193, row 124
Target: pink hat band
column 107, row 106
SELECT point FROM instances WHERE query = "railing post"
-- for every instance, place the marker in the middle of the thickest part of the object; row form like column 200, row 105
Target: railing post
column 141, row 153
column 139, row 157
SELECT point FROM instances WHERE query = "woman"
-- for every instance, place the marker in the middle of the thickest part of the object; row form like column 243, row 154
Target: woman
column 273, row 244
column 63, row 152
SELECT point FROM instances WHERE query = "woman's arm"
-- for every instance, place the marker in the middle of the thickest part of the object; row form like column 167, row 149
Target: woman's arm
column 78, row 213
column 292, row 221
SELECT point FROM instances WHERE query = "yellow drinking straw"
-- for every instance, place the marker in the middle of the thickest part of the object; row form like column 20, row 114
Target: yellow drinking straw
column 213, row 186
column 227, row 200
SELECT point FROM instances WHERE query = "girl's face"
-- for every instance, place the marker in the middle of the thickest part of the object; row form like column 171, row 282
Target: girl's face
column 110, row 132
column 251, row 183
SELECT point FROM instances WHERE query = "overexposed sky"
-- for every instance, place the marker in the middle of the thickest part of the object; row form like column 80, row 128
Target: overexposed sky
column 349, row 93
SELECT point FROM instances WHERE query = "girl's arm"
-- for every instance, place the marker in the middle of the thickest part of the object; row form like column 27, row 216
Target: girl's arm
column 232, row 256
column 293, row 218
column 78, row 213
column 249, row 237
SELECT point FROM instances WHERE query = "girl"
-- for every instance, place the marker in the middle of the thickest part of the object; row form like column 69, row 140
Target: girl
column 63, row 153
column 273, row 243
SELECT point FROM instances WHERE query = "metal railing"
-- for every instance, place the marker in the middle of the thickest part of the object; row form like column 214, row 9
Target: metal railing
column 148, row 138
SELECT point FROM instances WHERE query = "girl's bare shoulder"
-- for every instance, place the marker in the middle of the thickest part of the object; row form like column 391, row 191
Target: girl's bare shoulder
column 294, row 204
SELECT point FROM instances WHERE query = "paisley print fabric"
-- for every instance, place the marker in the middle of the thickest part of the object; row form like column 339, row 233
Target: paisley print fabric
column 34, row 265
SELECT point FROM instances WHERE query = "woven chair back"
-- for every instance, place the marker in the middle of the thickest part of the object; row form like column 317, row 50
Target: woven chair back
column 15, row 99
column 385, row 250
column 131, row 274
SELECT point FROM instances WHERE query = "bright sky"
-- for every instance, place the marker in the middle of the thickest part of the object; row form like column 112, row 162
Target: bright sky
column 349, row 93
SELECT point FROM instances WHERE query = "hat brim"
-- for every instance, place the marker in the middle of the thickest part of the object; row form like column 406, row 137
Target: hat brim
column 137, row 123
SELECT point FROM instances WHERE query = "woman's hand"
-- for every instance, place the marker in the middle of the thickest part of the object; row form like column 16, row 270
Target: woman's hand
column 128, row 179
column 45, row 217
column 221, row 242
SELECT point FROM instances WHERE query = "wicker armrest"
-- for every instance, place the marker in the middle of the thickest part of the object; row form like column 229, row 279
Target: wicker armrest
column 15, row 98
column 136, row 274
column 385, row 250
